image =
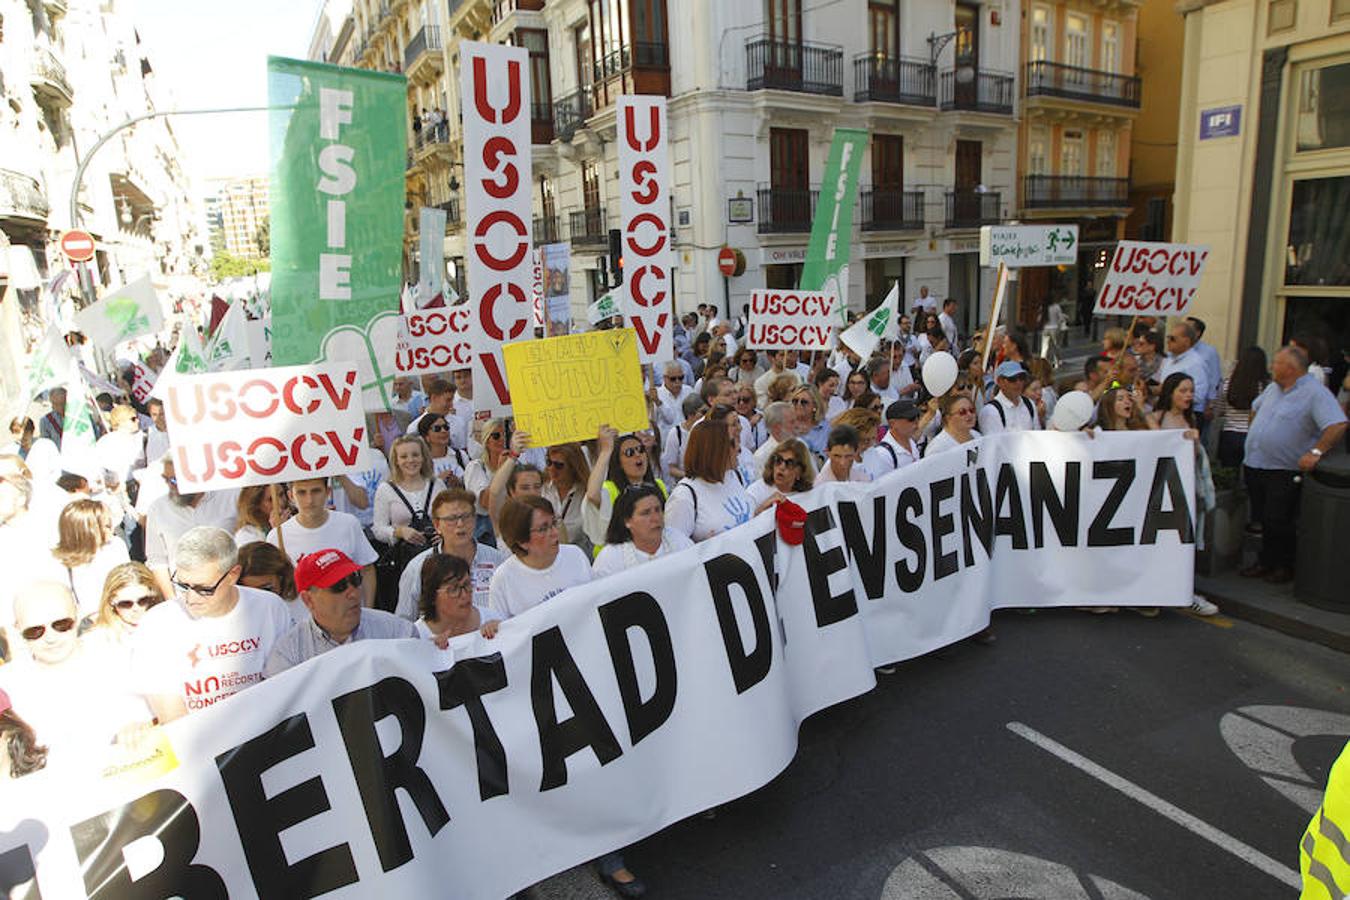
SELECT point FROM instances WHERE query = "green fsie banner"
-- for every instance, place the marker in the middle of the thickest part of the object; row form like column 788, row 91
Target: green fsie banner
column 826, row 267
column 338, row 159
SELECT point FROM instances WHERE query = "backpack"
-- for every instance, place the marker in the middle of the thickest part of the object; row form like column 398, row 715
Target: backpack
column 403, row 552
column 1003, row 417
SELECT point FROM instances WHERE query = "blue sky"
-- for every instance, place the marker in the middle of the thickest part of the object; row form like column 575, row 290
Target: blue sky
column 212, row 53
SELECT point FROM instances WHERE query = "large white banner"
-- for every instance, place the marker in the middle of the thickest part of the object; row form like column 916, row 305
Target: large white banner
column 259, row 426
column 644, row 209
column 434, row 340
column 495, row 90
column 392, row 769
column 791, row 320
column 1151, row 279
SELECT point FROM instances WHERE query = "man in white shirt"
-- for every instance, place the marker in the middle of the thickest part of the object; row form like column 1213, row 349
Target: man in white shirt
column 463, row 379
column 897, row 448
column 157, row 437
column 793, row 363
column 176, row 513
column 1213, row 362
column 1009, row 410
column 407, row 397
column 677, row 437
column 922, row 301
column 879, row 380
column 1185, row 357
column 315, row 527
column 329, row 583
column 947, row 319
column 777, row 366
column 212, row 640
column 670, row 395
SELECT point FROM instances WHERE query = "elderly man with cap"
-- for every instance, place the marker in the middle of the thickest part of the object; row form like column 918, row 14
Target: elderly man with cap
column 1296, row 422
column 330, row 587
column 1009, row 410
column 897, row 449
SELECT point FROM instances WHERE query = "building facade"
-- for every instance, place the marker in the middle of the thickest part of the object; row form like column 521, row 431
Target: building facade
column 70, row 72
column 1263, row 169
column 1081, row 99
column 237, row 213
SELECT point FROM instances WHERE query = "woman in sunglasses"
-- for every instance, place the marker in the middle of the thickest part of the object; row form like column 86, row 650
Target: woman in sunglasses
column 958, row 423
column 619, row 462
column 787, row 471
column 446, row 461
column 87, row 551
column 565, row 487
column 479, row 472
column 128, row 592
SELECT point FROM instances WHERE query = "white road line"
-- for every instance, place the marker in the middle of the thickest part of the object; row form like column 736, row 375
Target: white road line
column 1219, row 838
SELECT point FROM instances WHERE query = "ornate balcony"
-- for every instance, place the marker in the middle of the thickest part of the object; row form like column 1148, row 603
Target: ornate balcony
column 975, row 90
column 570, row 112
column 547, row 230
column 786, row 210
column 789, row 66
column 423, row 54
column 887, row 209
column 892, row 79
column 49, row 78
column 1074, row 192
column 1050, row 79
column 21, row 197
column 587, row 227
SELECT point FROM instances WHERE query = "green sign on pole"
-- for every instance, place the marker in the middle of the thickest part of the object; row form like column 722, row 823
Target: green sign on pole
column 826, row 267
column 338, row 160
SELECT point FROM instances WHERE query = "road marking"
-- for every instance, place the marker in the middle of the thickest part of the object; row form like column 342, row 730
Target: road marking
column 989, row 873
column 1200, row 828
column 1263, row 738
column 1216, row 621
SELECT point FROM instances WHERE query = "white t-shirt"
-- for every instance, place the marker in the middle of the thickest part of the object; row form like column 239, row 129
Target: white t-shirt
column 672, row 448
column 449, row 464
column 118, row 452
column 373, row 472
column 339, row 532
column 516, row 587
column 206, row 660
column 249, row 534
column 1017, row 416
column 618, row 557
column 485, row 561
column 889, row 455
column 944, row 441
column 167, row 521
column 477, row 477
column 87, row 580
column 855, row 473
column 718, row 507
column 759, row 492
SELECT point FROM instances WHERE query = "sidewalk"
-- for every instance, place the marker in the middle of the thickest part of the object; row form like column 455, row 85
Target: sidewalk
column 1274, row 606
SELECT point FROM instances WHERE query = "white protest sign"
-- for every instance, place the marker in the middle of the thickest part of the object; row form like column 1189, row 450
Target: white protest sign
column 258, row 426
column 434, row 340
column 613, row 709
column 1016, row 246
column 130, row 311
column 495, row 101
column 1147, row 278
column 142, row 382
column 791, row 320
column 644, row 211
column 260, row 342
column 537, row 287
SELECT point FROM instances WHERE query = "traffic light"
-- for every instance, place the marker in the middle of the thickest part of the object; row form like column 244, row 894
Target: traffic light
column 616, row 256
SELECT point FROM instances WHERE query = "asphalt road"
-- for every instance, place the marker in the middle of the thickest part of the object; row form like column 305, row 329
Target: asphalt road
column 921, row 789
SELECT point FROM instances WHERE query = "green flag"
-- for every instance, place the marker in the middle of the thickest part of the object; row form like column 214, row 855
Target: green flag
column 338, row 161
column 826, row 267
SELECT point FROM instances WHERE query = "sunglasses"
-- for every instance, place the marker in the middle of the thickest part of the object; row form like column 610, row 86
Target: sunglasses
column 351, row 580
column 33, row 632
column 630, row 452
column 786, row 461
column 441, row 427
column 802, row 401
column 674, row 378
column 495, row 436
column 557, row 464
column 145, row 602
column 198, row 589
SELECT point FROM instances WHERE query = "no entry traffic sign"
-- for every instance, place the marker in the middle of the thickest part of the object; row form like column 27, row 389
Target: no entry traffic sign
column 78, row 246
column 726, row 261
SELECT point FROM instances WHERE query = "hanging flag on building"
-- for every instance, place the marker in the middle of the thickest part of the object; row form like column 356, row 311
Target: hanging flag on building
column 826, row 267
column 130, row 311
column 337, row 194
column 881, row 324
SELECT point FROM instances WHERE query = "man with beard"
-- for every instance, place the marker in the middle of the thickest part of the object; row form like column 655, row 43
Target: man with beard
column 174, row 515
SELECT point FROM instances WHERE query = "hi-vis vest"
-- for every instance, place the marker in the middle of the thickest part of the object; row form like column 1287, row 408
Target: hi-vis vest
column 613, row 490
column 1324, row 852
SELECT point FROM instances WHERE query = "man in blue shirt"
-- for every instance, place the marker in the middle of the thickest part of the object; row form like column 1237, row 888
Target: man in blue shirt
column 1296, row 421
column 1184, row 355
column 1210, row 354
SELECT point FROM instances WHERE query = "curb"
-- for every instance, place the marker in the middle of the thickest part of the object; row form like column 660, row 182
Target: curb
column 1281, row 622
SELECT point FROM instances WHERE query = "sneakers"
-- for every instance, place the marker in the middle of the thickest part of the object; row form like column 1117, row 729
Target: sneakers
column 1148, row 612
column 886, row 670
column 1202, row 607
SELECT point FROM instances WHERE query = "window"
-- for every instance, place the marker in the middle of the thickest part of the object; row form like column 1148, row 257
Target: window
column 783, row 20
column 541, row 87
column 1038, row 150
column 883, row 26
column 1110, row 47
column 1324, row 108
column 1042, row 27
column 582, row 41
column 1319, row 236
column 888, row 162
column 1106, row 154
column 1076, row 41
column 788, row 158
column 1071, row 153
column 590, row 185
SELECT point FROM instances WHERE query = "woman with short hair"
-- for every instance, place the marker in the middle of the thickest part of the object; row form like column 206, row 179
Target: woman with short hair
column 710, row 498
column 86, row 551
column 540, row 566
column 958, row 424
column 445, row 604
column 788, row 471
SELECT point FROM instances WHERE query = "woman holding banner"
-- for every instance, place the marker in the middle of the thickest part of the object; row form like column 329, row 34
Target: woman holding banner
column 446, row 603
column 637, row 531
column 710, row 498
column 619, row 462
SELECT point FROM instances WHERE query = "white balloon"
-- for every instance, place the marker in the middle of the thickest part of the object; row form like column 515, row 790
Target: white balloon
column 939, row 373
column 1072, row 411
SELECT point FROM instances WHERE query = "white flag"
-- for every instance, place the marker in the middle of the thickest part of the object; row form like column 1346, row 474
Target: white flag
column 188, row 358
column 49, row 366
column 882, row 323
column 229, row 348
column 77, row 431
column 604, row 308
column 131, row 311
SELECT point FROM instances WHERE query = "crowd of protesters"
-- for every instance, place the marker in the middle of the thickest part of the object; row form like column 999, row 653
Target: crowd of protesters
column 140, row 603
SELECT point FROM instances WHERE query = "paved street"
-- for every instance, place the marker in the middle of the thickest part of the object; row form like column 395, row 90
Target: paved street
column 922, row 790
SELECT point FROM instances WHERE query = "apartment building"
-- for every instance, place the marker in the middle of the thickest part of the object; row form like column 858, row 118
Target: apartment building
column 71, row 71
column 1263, row 168
column 237, row 210
column 1081, row 99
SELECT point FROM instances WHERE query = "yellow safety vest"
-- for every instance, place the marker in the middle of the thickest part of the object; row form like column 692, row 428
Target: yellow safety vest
column 1324, row 852
column 613, row 490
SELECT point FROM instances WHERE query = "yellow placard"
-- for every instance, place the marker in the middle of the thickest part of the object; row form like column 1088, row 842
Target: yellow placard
column 564, row 388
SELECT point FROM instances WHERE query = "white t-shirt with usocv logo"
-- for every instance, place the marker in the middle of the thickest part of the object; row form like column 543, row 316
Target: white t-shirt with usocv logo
column 208, row 659
column 516, row 587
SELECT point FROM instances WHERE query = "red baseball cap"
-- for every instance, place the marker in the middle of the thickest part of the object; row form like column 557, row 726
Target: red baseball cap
column 322, row 569
column 791, row 520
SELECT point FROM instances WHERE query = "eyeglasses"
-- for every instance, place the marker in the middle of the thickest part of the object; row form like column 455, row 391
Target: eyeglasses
column 674, row 378
column 786, row 461
column 545, row 529
column 630, row 452
column 802, row 401
column 457, row 519
column 495, row 436
column 557, row 464
column 746, row 399
column 459, row 588
column 441, row 427
column 145, row 602
column 33, row 632
column 352, row 580
column 197, row 589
